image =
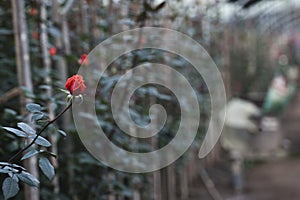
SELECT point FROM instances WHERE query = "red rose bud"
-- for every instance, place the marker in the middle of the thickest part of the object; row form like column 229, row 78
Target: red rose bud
column 52, row 51
column 33, row 11
column 75, row 85
column 83, row 59
column 35, row 35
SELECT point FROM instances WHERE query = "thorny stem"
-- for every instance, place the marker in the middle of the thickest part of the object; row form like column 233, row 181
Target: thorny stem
column 39, row 133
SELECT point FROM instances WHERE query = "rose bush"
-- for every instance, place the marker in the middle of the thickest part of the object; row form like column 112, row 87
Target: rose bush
column 37, row 145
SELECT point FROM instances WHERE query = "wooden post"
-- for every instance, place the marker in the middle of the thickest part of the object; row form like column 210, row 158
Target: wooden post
column 184, row 188
column 24, row 78
column 226, row 64
column 48, row 80
column 171, row 182
column 110, row 177
column 63, row 43
column 157, row 181
column 84, row 22
column 96, row 33
column 136, row 195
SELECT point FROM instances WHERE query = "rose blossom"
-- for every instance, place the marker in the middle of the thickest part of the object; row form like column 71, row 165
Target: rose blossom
column 75, row 85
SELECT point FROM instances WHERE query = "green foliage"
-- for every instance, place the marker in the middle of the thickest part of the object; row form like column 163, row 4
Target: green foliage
column 15, row 172
column 26, row 128
column 10, row 187
column 29, row 154
column 40, row 141
column 62, row 133
column 28, row 178
column 16, row 132
column 46, row 167
column 28, row 132
column 34, row 108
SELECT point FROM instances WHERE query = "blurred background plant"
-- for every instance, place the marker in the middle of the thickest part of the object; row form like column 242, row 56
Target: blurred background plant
column 246, row 39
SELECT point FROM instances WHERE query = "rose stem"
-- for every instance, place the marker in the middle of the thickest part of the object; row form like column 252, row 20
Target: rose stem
column 39, row 133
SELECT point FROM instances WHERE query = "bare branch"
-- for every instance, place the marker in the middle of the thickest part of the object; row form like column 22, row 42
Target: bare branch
column 12, row 93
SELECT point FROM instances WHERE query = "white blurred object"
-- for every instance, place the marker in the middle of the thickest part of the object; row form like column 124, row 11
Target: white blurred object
column 238, row 115
column 239, row 140
column 293, row 73
column 269, row 124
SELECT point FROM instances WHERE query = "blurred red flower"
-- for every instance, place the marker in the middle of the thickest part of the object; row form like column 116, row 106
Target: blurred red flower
column 52, row 51
column 83, row 59
column 33, row 11
column 35, row 35
column 75, row 85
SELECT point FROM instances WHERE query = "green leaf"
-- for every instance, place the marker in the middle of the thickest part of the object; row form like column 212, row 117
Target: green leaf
column 28, row 179
column 46, row 167
column 10, row 112
column 28, row 93
column 64, row 91
column 15, row 131
column 4, row 171
column 45, row 87
column 30, row 154
column 62, row 133
column 9, row 168
column 26, row 128
column 13, row 176
column 47, row 153
column 33, row 107
column 41, row 141
column 10, row 188
column 37, row 116
column 18, row 167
